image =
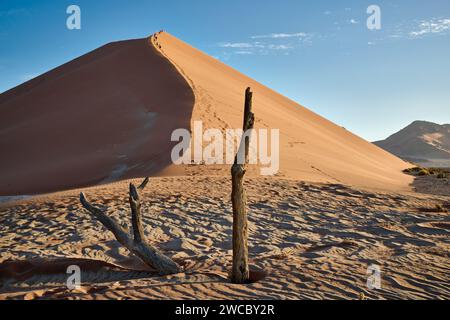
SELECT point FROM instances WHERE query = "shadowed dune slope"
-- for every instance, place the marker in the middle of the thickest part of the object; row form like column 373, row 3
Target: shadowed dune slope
column 105, row 116
column 311, row 147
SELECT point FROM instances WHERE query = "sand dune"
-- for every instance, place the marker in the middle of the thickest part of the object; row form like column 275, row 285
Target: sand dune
column 108, row 115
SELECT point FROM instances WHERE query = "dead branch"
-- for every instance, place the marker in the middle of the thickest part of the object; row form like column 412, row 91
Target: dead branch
column 136, row 244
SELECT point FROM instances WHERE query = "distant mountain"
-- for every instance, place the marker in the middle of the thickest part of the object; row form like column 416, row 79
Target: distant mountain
column 422, row 142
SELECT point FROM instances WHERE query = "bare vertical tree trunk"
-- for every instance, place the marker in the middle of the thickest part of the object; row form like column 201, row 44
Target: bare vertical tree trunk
column 240, row 271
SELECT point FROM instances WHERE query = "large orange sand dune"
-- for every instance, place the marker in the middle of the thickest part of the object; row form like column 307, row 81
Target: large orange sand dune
column 108, row 116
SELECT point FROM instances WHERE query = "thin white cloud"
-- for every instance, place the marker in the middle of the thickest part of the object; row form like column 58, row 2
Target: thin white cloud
column 11, row 12
column 281, row 35
column 279, row 47
column 244, row 52
column 353, row 21
column 236, row 45
column 241, row 45
column 274, row 43
column 247, row 47
column 416, row 30
column 432, row 26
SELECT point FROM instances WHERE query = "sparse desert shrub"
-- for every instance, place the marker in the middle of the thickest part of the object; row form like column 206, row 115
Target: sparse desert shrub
column 423, row 172
column 441, row 175
column 437, row 208
column 439, row 172
column 440, row 208
column 413, row 170
column 417, row 171
column 420, row 171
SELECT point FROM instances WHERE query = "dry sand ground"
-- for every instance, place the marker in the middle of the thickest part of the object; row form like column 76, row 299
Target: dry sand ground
column 312, row 241
column 432, row 185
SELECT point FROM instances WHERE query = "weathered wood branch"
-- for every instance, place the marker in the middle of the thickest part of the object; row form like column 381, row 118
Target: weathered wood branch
column 138, row 231
column 110, row 224
column 136, row 244
column 143, row 184
column 240, row 270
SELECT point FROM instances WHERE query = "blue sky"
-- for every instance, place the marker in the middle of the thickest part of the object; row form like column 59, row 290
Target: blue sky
column 318, row 53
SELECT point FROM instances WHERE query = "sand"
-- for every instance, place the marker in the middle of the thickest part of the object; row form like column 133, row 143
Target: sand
column 312, row 241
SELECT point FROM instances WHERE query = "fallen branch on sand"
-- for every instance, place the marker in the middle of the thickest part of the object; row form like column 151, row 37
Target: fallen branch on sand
column 136, row 244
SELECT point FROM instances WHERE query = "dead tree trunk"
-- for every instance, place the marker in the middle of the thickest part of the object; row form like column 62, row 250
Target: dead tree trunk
column 136, row 244
column 240, row 271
